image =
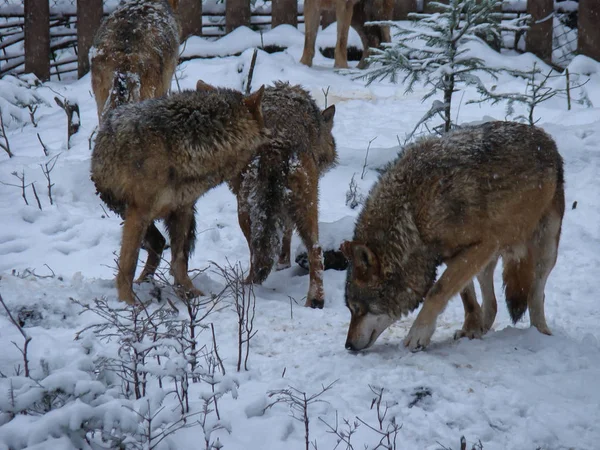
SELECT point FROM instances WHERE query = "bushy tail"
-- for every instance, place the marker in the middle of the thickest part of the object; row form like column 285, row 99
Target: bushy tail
column 518, row 277
column 125, row 89
column 264, row 187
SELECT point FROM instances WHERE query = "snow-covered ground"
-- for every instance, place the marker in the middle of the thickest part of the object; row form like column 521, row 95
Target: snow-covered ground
column 514, row 389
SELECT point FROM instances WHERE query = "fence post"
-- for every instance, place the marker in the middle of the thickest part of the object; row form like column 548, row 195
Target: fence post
column 237, row 14
column 190, row 18
column 403, row 7
column 284, row 11
column 89, row 16
column 37, row 38
column 539, row 36
column 588, row 26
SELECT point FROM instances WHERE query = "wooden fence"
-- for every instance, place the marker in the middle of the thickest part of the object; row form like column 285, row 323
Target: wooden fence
column 46, row 29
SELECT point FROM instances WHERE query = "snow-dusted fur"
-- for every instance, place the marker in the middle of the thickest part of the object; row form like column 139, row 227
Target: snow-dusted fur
column 279, row 189
column 135, row 53
column 153, row 159
column 464, row 199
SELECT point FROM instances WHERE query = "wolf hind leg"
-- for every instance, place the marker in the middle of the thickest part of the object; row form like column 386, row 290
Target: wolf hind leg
column 286, row 249
column 305, row 212
column 489, row 303
column 473, row 325
column 133, row 231
column 182, row 231
column 154, row 242
column 545, row 251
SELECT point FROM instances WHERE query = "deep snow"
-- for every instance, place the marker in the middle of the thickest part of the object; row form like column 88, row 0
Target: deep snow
column 514, row 389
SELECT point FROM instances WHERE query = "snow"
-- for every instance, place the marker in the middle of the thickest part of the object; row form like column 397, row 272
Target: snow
column 513, row 389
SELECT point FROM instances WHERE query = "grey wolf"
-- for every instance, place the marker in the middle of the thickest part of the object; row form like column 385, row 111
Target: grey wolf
column 153, row 159
column 465, row 199
column 279, row 189
column 348, row 13
column 135, row 53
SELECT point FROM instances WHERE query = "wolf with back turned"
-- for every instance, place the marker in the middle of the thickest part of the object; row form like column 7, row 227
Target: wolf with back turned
column 135, row 53
column 465, row 199
column 153, row 159
column 279, row 189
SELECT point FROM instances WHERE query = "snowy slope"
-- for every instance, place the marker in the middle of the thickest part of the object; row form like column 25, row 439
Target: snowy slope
column 514, row 389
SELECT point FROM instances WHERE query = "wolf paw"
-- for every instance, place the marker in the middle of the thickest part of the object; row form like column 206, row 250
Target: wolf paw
column 471, row 334
column 315, row 303
column 419, row 337
column 189, row 293
column 283, row 266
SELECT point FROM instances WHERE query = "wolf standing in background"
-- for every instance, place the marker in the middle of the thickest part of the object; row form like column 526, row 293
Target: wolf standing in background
column 348, row 13
column 464, row 199
column 153, row 159
column 135, row 53
column 136, row 50
column 279, row 190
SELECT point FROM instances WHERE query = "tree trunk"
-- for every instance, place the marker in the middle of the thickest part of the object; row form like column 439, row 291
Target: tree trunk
column 89, row 16
column 403, row 7
column 539, row 36
column 284, row 12
column 237, row 14
column 189, row 13
column 37, row 38
column 589, row 28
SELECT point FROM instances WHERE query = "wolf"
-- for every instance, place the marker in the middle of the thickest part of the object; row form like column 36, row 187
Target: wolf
column 153, row 159
column 279, row 189
column 464, row 199
column 348, row 13
column 135, row 53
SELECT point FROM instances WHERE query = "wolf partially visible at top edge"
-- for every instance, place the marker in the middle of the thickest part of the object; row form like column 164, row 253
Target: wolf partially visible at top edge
column 135, row 53
column 465, row 199
column 153, row 159
column 279, row 190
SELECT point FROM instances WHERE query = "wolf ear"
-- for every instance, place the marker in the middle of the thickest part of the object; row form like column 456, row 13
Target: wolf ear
column 365, row 264
column 201, row 86
column 328, row 114
column 253, row 101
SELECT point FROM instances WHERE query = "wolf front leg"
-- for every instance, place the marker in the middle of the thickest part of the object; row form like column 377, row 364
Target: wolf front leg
column 312, row 14
column 133, row 230
column 460, row 270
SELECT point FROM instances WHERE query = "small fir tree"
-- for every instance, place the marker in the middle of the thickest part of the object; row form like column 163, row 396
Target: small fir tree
column 537, row 90
column 433, row 51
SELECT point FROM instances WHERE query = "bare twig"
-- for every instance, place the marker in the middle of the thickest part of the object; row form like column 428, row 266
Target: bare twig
column 44, row 148
column 5, row 146
column 73, row 117
column 91, row 138
column 251, row 71
column 25, row 336
column 46, row 169
column 37, row 199
column 362, row 175
column 325, row 94
column 220, row 361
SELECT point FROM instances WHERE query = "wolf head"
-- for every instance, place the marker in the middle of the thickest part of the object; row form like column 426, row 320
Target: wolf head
column 384, row 281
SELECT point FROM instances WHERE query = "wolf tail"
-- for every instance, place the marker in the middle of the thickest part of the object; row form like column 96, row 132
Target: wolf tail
column 518, row 277
column 125, row 89
column 265, row 187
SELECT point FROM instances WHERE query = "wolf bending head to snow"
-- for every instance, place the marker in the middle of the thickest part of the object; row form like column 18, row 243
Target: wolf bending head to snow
column 279, row 190
column 135, row 53
column 153, row 159
column 464, row 199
